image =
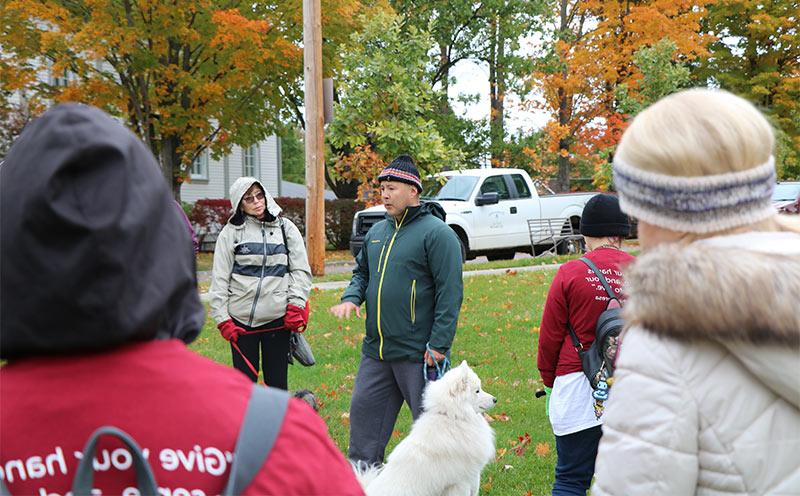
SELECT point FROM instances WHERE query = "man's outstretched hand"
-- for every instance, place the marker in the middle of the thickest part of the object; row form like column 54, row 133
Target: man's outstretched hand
column 344, row 309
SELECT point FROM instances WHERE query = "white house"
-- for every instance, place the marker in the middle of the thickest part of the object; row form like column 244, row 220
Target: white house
column 211, row 178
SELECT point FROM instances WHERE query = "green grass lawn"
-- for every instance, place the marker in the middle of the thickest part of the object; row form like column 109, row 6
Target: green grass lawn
column 497, row 335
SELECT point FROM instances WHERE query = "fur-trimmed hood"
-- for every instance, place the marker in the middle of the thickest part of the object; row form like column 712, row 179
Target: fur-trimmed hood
column 742, row 291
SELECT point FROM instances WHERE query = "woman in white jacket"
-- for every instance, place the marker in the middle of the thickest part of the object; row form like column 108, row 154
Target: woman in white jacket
column 707, row 385
column 260, row 283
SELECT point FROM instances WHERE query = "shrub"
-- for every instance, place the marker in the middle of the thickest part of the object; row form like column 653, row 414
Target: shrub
column 338, row 218
column 208, row 216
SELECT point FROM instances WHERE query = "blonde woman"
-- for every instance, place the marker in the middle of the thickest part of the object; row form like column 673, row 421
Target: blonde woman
column 707, row 385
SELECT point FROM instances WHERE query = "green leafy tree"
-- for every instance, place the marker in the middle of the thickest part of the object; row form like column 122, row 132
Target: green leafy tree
column 293, row 156
column 385, row 104
column 487, row 32
column 757, row 55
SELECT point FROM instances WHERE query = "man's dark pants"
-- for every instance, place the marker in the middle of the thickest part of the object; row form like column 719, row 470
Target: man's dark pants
column 378, row 394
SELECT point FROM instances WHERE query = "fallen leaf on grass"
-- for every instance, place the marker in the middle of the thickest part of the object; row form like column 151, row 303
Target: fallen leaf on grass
column 542, row 449
column 522, row 444
column 511, row 272
column 502, row 417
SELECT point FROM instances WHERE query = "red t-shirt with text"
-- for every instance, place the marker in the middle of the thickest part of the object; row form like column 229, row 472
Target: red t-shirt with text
column 183, row 410
column 577, row 295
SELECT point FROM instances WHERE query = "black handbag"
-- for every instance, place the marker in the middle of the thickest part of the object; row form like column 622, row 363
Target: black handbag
column 300, row 350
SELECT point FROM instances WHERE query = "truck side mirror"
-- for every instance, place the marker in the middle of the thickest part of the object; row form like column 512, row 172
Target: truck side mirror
column 489, row 198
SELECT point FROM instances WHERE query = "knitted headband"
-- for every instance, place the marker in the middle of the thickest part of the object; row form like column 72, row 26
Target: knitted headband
column 700, row 204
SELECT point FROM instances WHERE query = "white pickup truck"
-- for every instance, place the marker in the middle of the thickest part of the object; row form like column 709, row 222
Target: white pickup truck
column 489, row 209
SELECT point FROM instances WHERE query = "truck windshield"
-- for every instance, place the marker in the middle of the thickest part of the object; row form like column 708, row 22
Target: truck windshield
column 448, row 187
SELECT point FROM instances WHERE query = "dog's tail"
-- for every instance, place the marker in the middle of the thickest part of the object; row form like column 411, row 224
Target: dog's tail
column 365, row 473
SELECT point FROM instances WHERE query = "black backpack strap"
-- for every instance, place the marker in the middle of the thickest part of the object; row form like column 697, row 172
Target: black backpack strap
column 600, row 276
column 575, row 341
column 258, row 433
column 84, row 476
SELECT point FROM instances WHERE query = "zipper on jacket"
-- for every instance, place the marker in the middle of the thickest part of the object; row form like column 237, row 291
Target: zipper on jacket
column 260, row 279
column 380, row 258
column 413, row 301
column 380, row 284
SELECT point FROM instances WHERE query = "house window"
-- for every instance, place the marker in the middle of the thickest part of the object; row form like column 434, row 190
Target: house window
column 200, row 166
column 250, row 162
column 60, row 78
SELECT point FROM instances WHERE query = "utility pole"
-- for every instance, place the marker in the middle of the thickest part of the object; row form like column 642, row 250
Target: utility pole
column 315, row 139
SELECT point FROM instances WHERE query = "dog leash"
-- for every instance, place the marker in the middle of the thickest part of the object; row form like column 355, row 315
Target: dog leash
column 436, row 372
column 270, row 329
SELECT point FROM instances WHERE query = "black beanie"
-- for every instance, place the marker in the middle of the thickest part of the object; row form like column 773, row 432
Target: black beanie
column 401, row 169
column 602, row 217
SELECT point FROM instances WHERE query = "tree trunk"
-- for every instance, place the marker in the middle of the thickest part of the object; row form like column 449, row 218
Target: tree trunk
column 171, row 164
column 496, row 91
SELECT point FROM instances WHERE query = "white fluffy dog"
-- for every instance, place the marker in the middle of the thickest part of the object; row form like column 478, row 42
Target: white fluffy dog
column 448, row 445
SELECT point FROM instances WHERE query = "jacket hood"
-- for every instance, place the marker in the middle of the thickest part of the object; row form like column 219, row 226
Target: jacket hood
column 95, row 252
column 742, row 291
column 237, row 191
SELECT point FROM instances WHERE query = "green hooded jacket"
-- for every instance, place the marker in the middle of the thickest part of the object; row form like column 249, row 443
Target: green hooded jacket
column 409, row 274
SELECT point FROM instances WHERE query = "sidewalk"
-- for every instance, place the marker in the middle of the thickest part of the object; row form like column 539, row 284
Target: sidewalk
column 322, row 286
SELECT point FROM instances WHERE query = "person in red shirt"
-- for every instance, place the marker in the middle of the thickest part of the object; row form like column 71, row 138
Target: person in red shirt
column 578, row 298
column 99, row 298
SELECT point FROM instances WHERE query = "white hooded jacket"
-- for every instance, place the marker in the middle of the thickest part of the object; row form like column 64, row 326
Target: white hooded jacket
column 707, row 385
column 253, row 278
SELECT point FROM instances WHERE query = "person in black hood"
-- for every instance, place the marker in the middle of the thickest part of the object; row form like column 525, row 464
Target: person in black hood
column 95, row 253
column 99, row 299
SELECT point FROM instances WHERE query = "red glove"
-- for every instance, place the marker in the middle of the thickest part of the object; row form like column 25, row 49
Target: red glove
column 229, row 330
column 296, row 318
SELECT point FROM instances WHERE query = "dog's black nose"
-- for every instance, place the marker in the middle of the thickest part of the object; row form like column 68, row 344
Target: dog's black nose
column 494, row 400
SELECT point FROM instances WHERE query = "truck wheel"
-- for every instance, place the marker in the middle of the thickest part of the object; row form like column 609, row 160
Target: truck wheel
column 463, row 242
column 565, row 247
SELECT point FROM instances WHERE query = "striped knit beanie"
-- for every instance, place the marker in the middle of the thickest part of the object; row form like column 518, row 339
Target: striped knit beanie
column 701, row 204
column 401, row 169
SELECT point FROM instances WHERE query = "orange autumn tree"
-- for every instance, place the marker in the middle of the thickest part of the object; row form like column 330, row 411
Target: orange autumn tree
column 183, row 75
column 592, row 54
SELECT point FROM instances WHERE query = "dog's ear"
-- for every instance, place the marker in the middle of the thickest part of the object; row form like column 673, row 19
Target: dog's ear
column 460, row 381
column 463, row 363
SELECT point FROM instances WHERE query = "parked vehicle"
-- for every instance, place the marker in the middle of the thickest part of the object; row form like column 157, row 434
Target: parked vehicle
column 786, row 194
column 489, row 210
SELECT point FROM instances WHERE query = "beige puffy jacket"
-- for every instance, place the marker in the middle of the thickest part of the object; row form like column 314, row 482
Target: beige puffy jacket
column 254, row 278
column 707, row 386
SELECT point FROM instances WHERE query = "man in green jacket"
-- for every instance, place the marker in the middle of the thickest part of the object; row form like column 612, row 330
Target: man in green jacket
column 409, row 274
